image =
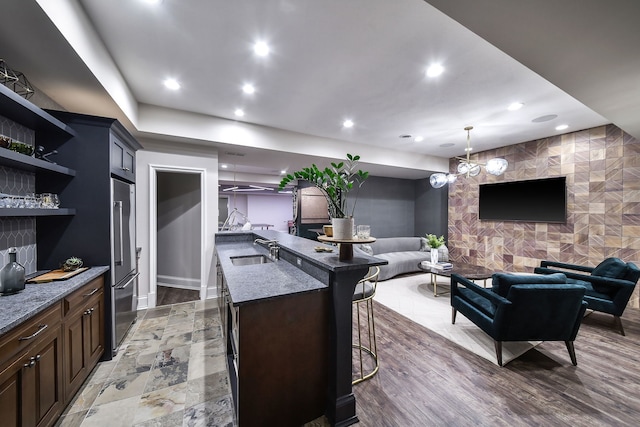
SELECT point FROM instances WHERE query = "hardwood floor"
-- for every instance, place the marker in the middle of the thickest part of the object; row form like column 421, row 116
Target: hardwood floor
column 167, row 295
column 426, row 380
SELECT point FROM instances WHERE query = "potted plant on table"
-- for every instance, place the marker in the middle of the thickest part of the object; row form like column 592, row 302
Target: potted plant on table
column 434, row 243
column 335, row 182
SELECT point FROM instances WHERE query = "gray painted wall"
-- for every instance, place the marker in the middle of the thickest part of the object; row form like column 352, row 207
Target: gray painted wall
column 432, row 209
column 179, row 207
column 401, row 207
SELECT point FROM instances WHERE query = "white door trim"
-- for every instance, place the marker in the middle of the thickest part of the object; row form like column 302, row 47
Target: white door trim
column 153, row 227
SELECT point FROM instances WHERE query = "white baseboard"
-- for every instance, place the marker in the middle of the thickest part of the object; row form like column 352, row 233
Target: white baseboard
column 178, row 282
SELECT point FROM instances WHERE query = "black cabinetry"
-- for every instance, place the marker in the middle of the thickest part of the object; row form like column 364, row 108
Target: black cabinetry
column 101, row 149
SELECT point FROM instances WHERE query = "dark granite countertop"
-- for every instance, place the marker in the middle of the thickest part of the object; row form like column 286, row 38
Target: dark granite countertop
column 299, row 269
column 35, row 298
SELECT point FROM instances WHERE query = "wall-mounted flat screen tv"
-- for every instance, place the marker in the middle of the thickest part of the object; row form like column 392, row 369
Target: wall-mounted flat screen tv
column 536, row 200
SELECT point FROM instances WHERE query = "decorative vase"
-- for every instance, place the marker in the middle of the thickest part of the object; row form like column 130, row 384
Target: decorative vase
column 342, row 228
column 12, row 275
column 443, row 254
column 434, row 256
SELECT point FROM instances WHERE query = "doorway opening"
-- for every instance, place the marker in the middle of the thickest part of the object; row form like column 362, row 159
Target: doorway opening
column 177, row 228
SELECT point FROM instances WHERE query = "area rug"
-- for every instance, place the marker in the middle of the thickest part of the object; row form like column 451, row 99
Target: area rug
column 412, row 296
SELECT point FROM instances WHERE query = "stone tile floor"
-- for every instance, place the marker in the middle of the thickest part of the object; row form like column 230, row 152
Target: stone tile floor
column 170, row 371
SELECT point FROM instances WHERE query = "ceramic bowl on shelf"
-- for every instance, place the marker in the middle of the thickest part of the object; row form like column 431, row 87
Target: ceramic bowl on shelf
column 5, row 141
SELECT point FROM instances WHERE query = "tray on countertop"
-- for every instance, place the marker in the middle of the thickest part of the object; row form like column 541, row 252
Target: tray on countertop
column 58, row 274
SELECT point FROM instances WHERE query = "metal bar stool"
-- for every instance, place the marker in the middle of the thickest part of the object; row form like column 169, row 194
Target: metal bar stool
column 364, row 293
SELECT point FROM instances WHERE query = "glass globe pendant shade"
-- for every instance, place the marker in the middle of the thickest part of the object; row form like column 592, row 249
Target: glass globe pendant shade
column 497, row 166
column 463, row 167
column 451, row 178
column 470, row 169
column 474, row 170
column 438, row 180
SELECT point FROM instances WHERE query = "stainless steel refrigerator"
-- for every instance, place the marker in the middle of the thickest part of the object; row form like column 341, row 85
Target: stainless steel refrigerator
column 123, row 260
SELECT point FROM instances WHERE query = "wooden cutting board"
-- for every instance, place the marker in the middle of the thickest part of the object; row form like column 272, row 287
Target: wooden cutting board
column 56, row 275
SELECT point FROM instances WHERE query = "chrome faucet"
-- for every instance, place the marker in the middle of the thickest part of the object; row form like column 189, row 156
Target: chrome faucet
column 274, row 248
column 264, row 242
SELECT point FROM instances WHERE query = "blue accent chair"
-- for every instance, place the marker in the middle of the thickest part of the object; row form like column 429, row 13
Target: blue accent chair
column 533, row 308
column 609, row 285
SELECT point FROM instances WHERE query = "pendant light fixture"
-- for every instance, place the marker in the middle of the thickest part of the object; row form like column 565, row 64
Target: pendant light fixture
column 495, row 166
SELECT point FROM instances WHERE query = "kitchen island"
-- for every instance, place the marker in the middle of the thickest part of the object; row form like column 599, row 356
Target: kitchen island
column 287, row 325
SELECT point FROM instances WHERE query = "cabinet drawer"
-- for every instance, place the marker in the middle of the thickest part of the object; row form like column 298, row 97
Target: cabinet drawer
column 82, row 296
column 29, row 332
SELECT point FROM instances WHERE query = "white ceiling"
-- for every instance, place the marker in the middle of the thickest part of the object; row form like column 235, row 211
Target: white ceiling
column 332, row 60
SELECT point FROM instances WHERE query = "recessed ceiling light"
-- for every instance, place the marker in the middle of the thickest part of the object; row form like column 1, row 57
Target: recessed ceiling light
column 248, row 88
column 347, row 123
column 515, row 106
column 239, row 112
column 171, row 84
column 435, row 70
column 223, row 166
column 418, row 139
column 562, row 127
column 261, row 49
column 283, row 171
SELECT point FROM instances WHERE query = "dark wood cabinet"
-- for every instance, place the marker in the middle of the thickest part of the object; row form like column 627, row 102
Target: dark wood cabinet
column 45, row 360
column 83, row 328
column 31, row 392
column 277, row 357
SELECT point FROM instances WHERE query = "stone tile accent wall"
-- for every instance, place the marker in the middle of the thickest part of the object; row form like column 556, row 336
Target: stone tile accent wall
column 602, row 166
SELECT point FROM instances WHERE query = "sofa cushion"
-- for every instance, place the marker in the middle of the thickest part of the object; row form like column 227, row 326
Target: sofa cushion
column 395, row 244
column 482, row 304
column 401, row 263
column 613, row 268
column 503, row 281
column 366, row 248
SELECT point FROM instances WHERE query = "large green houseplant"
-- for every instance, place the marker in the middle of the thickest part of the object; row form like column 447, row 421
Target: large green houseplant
column 334, row 182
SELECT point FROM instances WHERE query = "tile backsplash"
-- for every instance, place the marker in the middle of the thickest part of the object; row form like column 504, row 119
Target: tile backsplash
column 17, row 232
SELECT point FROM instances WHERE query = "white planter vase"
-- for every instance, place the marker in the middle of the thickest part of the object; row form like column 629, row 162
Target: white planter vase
column 434, row 256
column 342, row 228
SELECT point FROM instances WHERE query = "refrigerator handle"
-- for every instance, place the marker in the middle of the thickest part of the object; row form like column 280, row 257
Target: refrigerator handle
column 134, row 277
column 118, row 257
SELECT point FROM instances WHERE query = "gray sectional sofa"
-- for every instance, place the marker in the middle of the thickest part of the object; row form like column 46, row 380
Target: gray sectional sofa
column 403, row 253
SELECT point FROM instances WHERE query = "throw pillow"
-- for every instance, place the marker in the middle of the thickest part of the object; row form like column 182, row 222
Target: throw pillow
column 424, row 246
column 613, row 268
column 503, row 281
column 367, row 249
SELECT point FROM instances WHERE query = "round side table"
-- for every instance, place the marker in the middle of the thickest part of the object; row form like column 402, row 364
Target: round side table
column 346, row 245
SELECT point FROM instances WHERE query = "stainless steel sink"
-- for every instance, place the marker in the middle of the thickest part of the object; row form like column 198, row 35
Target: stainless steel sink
column 249, row 260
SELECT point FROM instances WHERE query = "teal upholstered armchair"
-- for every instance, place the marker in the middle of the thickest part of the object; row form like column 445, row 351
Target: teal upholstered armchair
column 609, row 285
column 521, row 308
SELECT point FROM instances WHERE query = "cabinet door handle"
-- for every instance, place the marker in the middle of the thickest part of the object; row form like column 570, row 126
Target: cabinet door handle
column 41, row 328
column 126, row 169
column 92, row 292
column 32, row 361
